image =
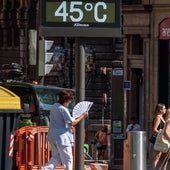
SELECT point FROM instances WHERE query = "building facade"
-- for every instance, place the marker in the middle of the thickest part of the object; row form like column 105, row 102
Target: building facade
column 146, row 57
column 145, row 35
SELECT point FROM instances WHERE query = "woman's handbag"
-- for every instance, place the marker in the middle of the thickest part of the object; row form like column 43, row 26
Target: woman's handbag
column 152, row 139
column 161, row 144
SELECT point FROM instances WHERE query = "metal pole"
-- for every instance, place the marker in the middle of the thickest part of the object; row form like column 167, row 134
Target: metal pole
column 80, row 96
column 104, row 101
column 71, row 64
column 102, row 116
column 137, row 150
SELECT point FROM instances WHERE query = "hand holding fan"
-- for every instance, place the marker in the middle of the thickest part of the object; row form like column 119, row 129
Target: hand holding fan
column 81, row 107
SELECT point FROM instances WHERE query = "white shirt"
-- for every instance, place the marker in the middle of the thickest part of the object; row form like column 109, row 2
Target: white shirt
column 59, row 129
column 133, row 127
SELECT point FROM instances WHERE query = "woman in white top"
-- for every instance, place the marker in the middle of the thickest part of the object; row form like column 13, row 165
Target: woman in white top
column 60, row 133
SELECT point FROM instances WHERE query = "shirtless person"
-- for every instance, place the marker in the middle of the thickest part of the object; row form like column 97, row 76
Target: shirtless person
column 101, row 137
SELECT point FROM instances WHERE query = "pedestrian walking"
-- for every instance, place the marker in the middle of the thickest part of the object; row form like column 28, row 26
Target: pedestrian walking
column 60, row 134
column 166, row 156
column 158, row 123
column 101, row 142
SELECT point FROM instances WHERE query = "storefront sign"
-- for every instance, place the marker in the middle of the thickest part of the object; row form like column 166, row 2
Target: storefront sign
column 164, row 29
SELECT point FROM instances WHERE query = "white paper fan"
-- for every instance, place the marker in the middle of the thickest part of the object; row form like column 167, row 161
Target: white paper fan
column 81, row 107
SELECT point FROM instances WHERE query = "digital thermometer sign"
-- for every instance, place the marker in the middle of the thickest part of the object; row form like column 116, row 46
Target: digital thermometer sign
column 77, row 16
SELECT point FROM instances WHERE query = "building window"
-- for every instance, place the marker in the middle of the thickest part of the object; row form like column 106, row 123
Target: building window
column 135, row 45
column 16, row 37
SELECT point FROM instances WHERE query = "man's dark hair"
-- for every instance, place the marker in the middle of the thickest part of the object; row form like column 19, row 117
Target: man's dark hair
column 65, row 95
column 133, row 118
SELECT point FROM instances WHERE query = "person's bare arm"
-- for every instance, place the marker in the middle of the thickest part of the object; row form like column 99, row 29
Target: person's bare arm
column 167, row 130
column 77, row 120
column 96, row 135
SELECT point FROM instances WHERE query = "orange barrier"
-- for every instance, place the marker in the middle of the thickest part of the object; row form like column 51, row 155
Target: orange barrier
column 33, row 150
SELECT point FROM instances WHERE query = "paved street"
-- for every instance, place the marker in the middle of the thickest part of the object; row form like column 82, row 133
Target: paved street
column 149, row 164
column 100, row 166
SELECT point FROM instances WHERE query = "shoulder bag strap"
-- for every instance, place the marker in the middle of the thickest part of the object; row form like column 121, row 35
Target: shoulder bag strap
column 161, row 118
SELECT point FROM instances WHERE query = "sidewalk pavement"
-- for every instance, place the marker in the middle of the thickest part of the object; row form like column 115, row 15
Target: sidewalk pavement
column 149, row 164
column 104, row 166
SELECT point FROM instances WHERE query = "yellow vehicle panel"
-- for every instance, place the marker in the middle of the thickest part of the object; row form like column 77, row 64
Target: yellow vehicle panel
column 9, row 100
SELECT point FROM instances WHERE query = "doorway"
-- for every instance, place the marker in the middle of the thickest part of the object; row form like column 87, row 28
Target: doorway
column 137, row 94
column 164, row 72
